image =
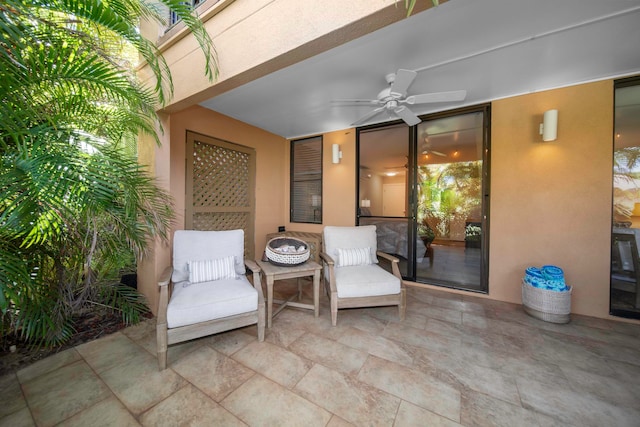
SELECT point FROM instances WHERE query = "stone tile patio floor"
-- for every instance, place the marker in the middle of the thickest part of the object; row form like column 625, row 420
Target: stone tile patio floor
column 455, row 360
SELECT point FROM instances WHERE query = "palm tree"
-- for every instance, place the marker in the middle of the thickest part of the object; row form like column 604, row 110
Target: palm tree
column 74, row 206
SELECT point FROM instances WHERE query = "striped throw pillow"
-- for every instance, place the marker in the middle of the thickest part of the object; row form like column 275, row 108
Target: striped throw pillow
column 212, row 269
column 354, row 256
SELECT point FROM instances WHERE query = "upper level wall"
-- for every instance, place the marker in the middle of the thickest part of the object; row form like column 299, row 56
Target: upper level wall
column 256, row 37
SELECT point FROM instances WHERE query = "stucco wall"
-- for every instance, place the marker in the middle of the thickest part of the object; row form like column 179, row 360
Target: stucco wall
column 169, row 164
column 254, row 38
column 551, row 202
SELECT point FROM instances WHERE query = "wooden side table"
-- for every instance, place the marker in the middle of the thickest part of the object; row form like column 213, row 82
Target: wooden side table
column 274, row 272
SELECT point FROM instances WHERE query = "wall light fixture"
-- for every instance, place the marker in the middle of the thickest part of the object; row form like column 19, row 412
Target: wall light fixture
column 336, row 154
column 549, row 125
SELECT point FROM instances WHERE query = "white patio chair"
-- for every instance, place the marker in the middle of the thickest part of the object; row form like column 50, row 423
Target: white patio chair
column 206, row 290
column 352, row 273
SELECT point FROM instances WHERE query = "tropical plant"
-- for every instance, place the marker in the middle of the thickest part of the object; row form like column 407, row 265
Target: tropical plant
column 75, row 207
column 448, row 192
column 410, row 4
column 626, row 173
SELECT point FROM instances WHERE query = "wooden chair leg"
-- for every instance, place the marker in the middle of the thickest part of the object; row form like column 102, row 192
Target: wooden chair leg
column 261, row 321
column 334, row 309
column 402, row 307
column 161, row 336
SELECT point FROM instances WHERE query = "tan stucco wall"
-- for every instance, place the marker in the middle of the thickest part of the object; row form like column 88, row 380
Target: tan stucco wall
column 338, row 184
column 551, row 202
column 254, row 38
column 169, row 162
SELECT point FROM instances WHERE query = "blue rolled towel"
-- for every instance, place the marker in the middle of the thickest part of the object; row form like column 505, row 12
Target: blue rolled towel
column 552, row 272
column 548, row 277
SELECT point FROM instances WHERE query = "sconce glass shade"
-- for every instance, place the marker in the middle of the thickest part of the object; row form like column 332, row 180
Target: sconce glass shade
column 549, row 127
column 336, row 154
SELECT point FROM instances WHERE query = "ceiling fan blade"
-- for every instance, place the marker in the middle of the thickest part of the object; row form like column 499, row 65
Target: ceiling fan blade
column 355, row 101
column 437, row 153
column 368, row 116
column 403, row 80
column 451, row 96
column 407, row 115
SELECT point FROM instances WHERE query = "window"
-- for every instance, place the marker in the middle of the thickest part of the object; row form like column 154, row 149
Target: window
column 625, row 239
column 306, row 180
column 173, row 17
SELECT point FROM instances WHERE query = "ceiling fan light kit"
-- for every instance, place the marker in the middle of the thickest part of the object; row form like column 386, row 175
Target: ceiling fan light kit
column 394, row 100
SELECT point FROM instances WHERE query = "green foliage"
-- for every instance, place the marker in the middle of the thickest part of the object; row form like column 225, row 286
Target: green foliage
column 75, row 205
column 410, row 4
column 448, row 192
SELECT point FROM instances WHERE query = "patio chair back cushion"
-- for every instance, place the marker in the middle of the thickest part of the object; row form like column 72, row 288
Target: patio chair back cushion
column 196, row 245
column 350, row 238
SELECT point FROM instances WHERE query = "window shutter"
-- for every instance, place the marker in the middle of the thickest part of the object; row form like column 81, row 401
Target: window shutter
column 306, row 180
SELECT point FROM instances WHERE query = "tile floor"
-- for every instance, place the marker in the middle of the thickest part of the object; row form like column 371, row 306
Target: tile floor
column 455, row 360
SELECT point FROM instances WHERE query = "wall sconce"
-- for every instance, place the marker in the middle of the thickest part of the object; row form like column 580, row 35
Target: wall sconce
column 365, row 203
column 549, row 125
column 336, row 154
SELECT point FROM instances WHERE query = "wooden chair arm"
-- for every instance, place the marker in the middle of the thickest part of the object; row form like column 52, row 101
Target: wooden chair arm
column 255, row 269
column 395, row 262
column 165, row 277
column 387, row 256
column 163, row 302
column 252, row 265
column 327, row 259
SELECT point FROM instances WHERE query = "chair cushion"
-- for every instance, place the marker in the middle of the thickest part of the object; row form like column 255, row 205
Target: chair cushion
column 204, row 301
column 196, row 245
column 335, row 237
column 212, row 269
column 365, row 281
column 353, row 256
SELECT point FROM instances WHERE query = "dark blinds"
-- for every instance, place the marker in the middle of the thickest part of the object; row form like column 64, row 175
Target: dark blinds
column 306, row 180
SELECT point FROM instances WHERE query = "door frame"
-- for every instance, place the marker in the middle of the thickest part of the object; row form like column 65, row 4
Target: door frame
column 412, row 193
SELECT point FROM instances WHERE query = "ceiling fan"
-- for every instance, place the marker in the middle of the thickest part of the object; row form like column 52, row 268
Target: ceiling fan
column 394, row 99
column 425, row 148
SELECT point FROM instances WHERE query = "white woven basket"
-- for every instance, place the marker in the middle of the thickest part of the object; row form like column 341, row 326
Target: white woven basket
column 547, row 305
column 285, row 259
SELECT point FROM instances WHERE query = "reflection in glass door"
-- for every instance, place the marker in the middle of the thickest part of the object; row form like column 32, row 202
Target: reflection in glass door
column 625, row 236
column 383, row 157
column 449, row 201
column 424, row 189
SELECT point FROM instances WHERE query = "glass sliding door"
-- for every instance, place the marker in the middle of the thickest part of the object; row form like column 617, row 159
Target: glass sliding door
column 450, row 220
column 625, row 235
column 383, row 160
column 425, row 189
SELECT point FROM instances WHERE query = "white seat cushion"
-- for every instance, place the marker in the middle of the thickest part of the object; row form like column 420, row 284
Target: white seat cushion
column 204, row 301
column 365, row 281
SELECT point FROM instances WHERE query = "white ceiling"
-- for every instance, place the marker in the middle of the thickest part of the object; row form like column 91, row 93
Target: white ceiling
column 491, row 48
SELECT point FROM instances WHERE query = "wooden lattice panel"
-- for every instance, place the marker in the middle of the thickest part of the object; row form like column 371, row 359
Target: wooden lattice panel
column 221, row 176
column 220, row 221
column 220, row 187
